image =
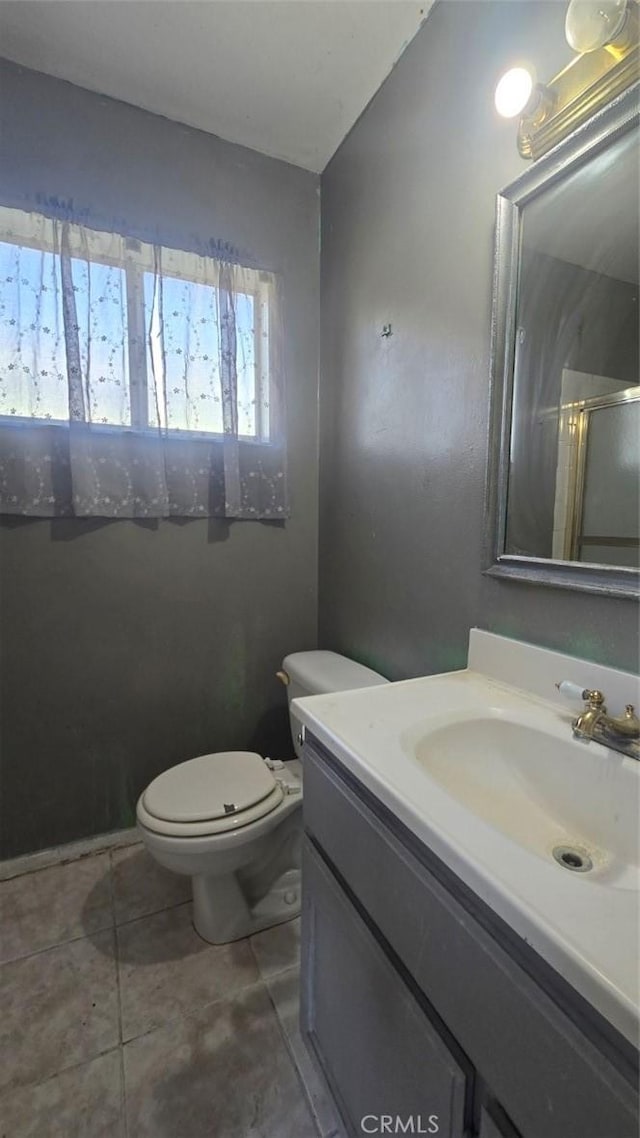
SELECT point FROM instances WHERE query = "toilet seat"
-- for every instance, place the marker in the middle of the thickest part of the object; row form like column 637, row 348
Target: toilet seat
column 211, row 794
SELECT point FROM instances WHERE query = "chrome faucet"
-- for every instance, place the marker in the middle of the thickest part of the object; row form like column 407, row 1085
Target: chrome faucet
column 621, row 733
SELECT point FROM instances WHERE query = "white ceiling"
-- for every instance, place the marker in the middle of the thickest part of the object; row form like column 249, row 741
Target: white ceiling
column 286, row 77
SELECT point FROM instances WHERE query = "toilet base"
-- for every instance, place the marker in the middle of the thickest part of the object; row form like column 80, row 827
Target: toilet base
column 243, row 880
column 223, row 910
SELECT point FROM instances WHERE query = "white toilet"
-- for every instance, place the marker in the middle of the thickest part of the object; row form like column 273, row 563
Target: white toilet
column 233, row 821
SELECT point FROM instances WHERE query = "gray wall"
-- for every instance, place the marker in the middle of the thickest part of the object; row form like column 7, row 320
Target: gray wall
column 129, row 647
column 407, row 232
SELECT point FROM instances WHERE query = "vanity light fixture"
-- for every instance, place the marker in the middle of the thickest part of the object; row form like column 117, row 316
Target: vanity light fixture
column 517, row 93
column 606, row 36
column 513, row 92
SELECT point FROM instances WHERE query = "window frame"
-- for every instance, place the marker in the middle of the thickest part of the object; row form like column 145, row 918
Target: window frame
column 140, row 258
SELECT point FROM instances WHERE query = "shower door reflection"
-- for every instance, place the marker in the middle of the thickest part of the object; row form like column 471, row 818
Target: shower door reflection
column 602, row 521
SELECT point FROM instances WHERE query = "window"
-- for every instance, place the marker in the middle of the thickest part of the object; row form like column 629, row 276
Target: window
column 136, row 380
column 116, row 333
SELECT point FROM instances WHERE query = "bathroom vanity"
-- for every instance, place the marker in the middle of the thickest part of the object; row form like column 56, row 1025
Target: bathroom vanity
column 458, row 981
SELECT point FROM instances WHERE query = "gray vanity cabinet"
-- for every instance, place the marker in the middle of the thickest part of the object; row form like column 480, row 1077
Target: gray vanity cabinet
column 379, row 1051
column 402, row 961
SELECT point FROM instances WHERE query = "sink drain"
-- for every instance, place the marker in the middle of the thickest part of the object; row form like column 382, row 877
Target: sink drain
column 571, row 858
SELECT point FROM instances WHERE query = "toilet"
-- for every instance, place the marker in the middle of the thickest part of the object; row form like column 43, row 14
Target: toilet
column 232, row 821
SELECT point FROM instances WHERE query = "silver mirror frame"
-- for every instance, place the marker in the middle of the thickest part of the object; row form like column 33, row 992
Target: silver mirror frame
column 620, row 116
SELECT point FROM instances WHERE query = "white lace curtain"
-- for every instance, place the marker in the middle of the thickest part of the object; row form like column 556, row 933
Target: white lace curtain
column 135, row 380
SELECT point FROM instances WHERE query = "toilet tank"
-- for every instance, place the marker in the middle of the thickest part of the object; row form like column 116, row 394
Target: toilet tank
column 317, row 673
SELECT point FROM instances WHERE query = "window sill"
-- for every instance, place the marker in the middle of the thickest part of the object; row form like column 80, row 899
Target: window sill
column 19, row 422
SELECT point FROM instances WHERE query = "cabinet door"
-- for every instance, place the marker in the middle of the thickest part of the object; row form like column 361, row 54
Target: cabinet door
column 379, row 1052
column 552, row 1079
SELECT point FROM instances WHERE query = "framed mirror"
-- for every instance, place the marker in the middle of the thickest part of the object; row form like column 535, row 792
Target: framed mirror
column 563, row 503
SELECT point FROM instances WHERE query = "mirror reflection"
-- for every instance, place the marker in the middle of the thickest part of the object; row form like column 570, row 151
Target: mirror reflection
column 573, row 484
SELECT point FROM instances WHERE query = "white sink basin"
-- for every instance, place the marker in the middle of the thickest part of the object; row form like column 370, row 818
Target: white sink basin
column 481, row 766
column 544, row 791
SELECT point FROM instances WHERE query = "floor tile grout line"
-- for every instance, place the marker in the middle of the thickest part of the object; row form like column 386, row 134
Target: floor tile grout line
column 116, row 953
column 8, row 1090
column 112, row 892
column 335, row 1132
column 120, row 1049
column 278, row 972
column 194, row 1011
column 154, row 913
column 292, row 1059
column 57, row 944
column 187, row 1013
column 260, row 980
column 93, row 932
column 123, row 1095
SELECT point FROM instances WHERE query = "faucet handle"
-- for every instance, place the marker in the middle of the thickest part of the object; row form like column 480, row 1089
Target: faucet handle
column 628, row 724
column 571, row 691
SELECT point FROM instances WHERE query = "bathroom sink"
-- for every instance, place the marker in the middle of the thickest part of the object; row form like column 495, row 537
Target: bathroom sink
column 564, row 800
column 482, row 767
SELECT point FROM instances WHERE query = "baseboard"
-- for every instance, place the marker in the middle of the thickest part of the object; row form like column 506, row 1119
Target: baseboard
column 71, row 851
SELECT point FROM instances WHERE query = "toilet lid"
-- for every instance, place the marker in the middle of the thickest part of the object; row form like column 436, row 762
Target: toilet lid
column 221, row 785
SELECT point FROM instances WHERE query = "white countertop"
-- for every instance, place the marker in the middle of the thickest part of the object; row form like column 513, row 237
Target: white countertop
column 584, row 926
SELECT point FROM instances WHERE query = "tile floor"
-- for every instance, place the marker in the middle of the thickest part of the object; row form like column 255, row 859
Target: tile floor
column 118, row 1021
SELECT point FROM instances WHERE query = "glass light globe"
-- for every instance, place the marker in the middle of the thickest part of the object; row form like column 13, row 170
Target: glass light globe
column 590, row 24
column 513, row 92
